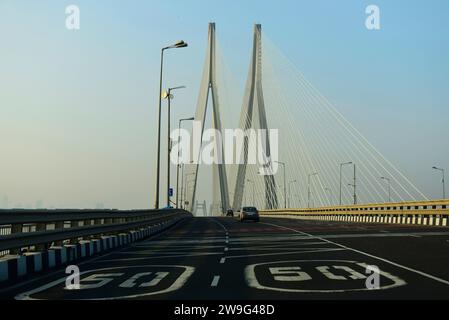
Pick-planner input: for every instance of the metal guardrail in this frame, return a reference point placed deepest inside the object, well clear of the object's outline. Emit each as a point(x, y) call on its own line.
point(413, 212)
point(41, 228)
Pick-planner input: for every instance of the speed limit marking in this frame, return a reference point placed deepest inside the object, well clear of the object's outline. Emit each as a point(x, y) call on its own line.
point(126, 282)
point(316, 276)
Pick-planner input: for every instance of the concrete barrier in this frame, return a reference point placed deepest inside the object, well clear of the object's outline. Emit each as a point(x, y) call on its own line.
point(13, 267)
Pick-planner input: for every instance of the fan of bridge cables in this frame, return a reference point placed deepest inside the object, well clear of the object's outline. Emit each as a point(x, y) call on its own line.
point(316, 143)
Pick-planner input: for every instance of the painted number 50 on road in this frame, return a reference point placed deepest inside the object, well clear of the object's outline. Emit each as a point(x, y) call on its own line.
point(324, 276)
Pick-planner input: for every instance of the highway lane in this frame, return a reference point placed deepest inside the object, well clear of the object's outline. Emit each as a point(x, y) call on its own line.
point(221, 258)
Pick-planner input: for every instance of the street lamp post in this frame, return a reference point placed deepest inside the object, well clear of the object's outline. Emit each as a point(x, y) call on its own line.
point(389, 187)
point(442, 180)
point(285, 186)
point(355, 185)
point(182, 185)
point(290, 192)
point(179, 44)
point(178, 165)
point(308, 187)
point(341, 166)
point(169, 96)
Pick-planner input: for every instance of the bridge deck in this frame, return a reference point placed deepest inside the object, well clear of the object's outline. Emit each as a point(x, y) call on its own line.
point(221, 258)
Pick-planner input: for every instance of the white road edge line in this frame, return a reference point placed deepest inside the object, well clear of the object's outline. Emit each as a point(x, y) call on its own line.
point(367, 254)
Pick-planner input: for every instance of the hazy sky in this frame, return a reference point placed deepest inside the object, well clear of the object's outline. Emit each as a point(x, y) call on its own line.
point(78, 108)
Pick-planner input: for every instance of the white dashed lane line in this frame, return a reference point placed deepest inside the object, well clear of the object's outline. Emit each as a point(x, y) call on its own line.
point(215, 281)
point(223, 260)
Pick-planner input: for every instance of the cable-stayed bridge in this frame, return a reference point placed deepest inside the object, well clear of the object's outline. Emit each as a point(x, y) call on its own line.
point(325, 160)
point(337, 219)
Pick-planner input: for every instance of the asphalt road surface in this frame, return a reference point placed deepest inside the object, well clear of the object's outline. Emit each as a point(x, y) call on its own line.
point(223, 259)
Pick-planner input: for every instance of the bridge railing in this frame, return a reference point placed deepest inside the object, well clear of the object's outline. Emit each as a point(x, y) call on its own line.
point(414, 212)
point(37, 230)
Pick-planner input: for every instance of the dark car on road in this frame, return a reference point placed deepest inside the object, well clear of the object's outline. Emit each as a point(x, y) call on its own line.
point(230, 213)
point(249, 213)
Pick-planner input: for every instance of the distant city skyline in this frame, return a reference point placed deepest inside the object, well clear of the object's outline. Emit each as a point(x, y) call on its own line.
point(39, 204)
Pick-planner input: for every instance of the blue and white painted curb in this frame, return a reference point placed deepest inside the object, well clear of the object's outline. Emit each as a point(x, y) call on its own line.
point(13, 267)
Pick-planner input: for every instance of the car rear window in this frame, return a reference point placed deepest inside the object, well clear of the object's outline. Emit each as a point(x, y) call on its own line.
point(249, 209)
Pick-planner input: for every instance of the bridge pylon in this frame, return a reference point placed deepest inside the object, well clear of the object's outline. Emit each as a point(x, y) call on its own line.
point(208, 90)
point(253, 103)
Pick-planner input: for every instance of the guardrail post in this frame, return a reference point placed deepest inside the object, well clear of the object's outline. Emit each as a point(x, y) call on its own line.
point(16, 228)
point(108, 221)
point(87, 222)
point(74, 224)
point(59, 225)
point(42, 246)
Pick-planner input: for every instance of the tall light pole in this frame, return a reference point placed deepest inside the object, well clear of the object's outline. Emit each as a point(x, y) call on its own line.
point(308, 187)
point(341, 166)
point(251, 181)
point(355, 185)
point(290, 192)
point(167, 95)
point(182, 185)
point(178, 165)
point(179, 44)
point(389, 187)
point(285, 185)
point(442, 180)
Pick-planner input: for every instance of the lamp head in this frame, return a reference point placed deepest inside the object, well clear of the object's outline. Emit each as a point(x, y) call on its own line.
point(180, 44)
